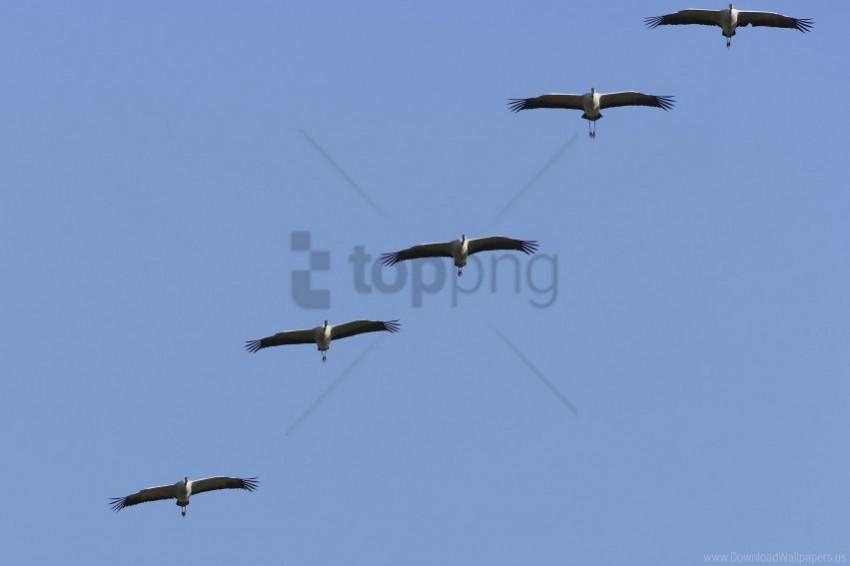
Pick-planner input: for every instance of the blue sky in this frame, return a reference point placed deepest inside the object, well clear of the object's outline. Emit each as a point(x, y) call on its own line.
point(157, 160)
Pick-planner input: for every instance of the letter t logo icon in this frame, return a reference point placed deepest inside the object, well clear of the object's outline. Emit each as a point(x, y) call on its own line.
point(302, 291)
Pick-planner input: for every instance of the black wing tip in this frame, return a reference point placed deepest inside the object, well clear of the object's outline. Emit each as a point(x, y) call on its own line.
point(389, 259)
point(528, 246)
point(117, 503)
point(392, 326)
point(666, 102)
point(253, 345)
point(250, 483)
point(804, 24)
point(517, 104)
point(653, 22)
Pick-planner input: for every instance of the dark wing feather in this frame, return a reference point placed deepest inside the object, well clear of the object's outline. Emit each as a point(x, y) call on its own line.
point(774, 20)
point(223, 482)
point(501, 243)
point(615, 99)
point(143, 496)
point(362, 326)
point(442, 249)
point(685, 17)
point(554, 100)
point(282, 339)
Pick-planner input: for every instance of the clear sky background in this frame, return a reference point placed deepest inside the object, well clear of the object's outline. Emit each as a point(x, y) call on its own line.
point(156, 158)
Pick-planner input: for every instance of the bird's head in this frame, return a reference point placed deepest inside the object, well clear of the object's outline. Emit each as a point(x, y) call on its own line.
point(592, 90)
point(326, 324)
point(185, 480)
point(730, 5)
point(462, 238)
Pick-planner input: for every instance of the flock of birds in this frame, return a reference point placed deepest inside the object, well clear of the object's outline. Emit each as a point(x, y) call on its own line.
point(729, 20)
point(459, 250)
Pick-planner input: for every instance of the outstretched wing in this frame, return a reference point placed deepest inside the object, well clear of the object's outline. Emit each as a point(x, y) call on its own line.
point(441, 249)
point(143, 496)
point(362, 326)
point(223, 482)
point(281, 339)
point(774, 20)
point(615, 99)
point(554, 100)
point(501, 243)
point(686, 17)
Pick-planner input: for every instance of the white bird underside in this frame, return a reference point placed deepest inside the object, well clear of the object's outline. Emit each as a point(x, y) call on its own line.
point(180, 491)
point(591, 103)
point(729, 20)
point(459, 249)
point(322, 335)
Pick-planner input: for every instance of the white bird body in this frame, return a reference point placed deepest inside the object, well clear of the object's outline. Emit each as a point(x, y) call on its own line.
point(460, 250)
point(591, 103)
point(730, 19)
point(322, 335)
point(182, 491)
